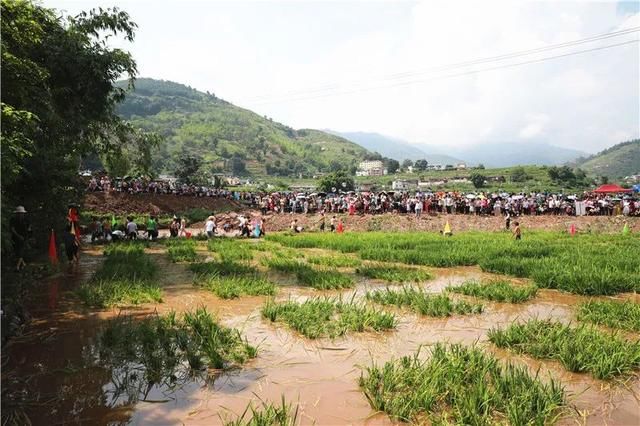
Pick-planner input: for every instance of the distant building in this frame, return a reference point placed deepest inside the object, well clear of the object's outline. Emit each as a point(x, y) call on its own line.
point(371, 168)
point(400, 185)
point(435, 167)
point(461, 166)
point(232, 180)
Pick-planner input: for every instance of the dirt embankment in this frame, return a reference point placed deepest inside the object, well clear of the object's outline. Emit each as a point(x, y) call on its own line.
point(121, 203)
point(458, 223)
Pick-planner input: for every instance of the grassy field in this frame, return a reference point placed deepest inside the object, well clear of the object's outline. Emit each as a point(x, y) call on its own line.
point(159, 349)
point(579, 349)
point(586, 264)
point(461, 385)
point(307, 275)
point(328, 317)
point(433, 305)
point(127, 276)
point(496, 290)
point(623, 315)
point(393, 273)
point(266, 414)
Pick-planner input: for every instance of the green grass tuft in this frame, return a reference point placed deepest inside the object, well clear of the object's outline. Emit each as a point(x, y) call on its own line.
point(267, 414)
point(322, 317)
point(579, 349)
point(229, 287)
point(624, 315)
point(393, 273)
point(321, 279)
point(335, 261)
point(104, 294)
point(461, 385)
point(498, 290)
point(433, 305)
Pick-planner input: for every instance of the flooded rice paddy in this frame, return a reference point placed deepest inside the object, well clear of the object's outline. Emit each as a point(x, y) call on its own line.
point(52, 374)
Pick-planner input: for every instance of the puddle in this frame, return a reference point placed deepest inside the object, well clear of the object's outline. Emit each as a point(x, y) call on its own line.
point(321, 376)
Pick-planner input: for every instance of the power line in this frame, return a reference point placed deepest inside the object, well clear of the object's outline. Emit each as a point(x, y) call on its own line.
point(447, 76)
point(498, 58)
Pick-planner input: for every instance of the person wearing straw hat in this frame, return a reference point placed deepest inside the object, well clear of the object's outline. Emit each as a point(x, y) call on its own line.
point(210, 226)
point(20, 230)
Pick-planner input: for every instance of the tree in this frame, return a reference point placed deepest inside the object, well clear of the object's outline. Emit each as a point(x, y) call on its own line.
point(237, 165)
point(421, 165)
point(392, 165)
point(477, 179)
point(337, 181)
point(406, 164)
point(480, 166)
point(188, 169)
point(58, 104)
point(519, 174)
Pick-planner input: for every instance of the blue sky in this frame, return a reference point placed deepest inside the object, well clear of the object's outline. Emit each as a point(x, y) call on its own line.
point(337, 64)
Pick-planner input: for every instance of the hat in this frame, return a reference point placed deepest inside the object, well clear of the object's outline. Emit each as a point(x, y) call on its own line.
point(20, 209)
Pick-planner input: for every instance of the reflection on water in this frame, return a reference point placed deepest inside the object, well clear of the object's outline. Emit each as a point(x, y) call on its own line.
point(69, 383)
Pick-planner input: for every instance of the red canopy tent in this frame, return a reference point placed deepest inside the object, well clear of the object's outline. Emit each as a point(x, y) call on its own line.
point(611, 188)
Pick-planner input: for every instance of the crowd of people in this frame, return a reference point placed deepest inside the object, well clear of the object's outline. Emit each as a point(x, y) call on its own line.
point(418, 203)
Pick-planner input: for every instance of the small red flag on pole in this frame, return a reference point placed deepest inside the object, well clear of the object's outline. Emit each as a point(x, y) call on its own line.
point(53, 252)
point(572, 230)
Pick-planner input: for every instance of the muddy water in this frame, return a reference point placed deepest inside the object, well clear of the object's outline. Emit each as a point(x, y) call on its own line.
point(321, 375)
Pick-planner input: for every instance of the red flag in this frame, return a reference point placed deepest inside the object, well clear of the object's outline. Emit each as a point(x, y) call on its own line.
point(53, 252)
point(572, 230)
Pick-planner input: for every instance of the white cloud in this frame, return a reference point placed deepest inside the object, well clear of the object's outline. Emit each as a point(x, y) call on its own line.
point(277, 49)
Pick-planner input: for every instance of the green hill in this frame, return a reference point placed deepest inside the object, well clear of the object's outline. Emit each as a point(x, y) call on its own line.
point(230, 138)
point(616, 162)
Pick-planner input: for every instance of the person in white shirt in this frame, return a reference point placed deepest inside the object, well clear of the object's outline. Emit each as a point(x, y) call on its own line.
point(210, 226)
point(132, 229)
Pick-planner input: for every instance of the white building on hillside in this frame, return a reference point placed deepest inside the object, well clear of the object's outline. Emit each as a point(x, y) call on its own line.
point(371, 168)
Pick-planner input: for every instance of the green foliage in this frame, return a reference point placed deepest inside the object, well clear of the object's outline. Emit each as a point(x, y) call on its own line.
point(615, 162)
point(424, 303)
point(229, 138)
point(321, 317)
point(461, 385)
point(566, 176)
point(208, 269)
point(184, 251)
point(590, 264)
point(234, 286)
point(335, 261)
point(268, 414)
point(188, 170)
point(392, 273)
point(167, 350)
point(497, 290)
point(477, 179)
point(519, 174)
point(579, 349)
point(126, 277)
point(337, 181)
point(624, 315)
point(321, 279)
point(420, 165)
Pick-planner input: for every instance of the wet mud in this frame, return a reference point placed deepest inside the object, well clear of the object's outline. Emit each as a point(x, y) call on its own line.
point(50, 375)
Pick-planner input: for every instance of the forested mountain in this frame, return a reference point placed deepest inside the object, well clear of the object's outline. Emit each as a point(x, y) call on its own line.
point(229, 138)
point(618, 161)
point(506, 154)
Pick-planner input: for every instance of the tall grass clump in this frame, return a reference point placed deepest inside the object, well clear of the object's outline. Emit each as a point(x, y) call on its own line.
point(204, 270)
point(335, 261)
point(127, 277)
point(233, 286)
point(461, 385)
point(183, 251)
point(327, 317)
point(579, 349)
point(306, 275)
point(267, 414)
point(105, 294)
point(167, 350)
point(497, 290)
point(229, 249)
point(393, 273)
point(623, 315)
point(433, 305)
